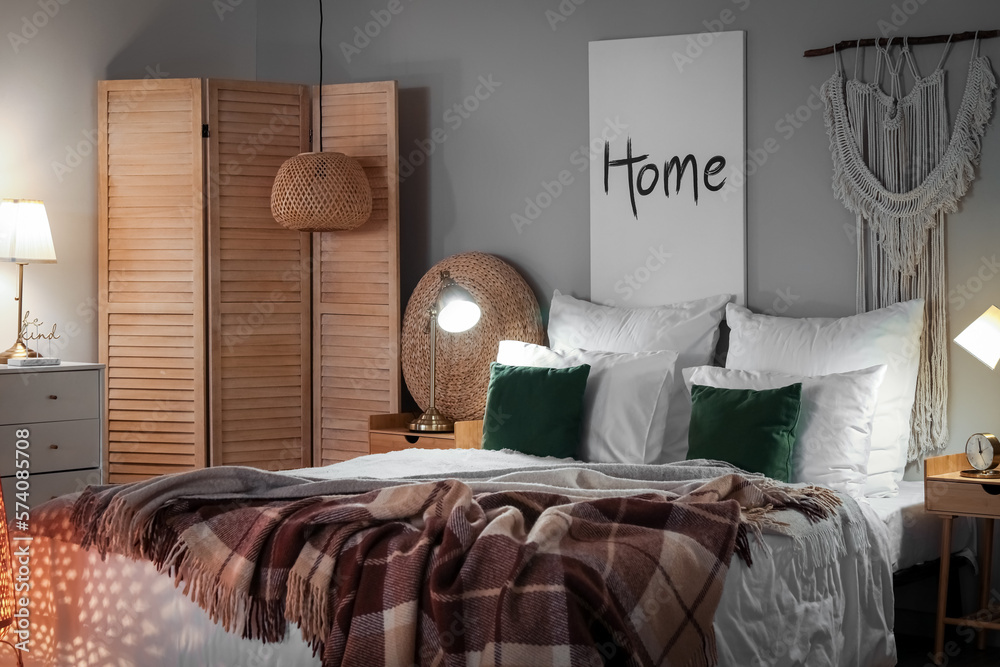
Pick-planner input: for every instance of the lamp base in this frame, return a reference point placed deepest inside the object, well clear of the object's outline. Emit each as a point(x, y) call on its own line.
point(18, 351)
point(432, 421)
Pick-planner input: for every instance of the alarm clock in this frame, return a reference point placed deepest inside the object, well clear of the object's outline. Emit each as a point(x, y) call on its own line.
point(983, 452)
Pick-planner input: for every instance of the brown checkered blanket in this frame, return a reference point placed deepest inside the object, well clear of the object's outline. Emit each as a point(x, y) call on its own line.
point(453, 572)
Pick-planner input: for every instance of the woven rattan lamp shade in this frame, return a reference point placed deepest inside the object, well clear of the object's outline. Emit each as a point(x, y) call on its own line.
point(509, 312)
point(321, 192)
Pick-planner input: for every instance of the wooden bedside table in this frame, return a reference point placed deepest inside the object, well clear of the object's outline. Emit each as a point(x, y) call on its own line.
point(391, 433)
point(949, 494)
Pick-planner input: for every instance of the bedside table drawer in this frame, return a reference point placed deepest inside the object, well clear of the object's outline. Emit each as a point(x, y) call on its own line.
point(382, 443)
point(26, 398)
point(968, 498)
point(53, 446)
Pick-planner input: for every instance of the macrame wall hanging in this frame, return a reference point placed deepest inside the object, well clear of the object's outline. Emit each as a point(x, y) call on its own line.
point(900, 171)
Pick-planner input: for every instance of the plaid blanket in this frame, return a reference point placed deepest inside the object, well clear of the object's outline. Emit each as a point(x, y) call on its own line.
point(435, 573)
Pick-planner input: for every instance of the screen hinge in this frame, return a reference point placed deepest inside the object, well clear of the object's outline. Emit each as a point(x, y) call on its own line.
point(205, 131)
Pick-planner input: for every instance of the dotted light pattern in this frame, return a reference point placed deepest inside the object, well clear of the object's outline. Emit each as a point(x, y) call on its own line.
point(321, 192)
point(6, 574)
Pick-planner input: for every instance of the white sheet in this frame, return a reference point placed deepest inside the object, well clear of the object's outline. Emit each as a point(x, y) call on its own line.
point(780, 612)
point(914, 535)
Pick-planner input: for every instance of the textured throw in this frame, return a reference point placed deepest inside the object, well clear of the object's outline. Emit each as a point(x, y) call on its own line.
point(898, 170)
point(557, 566)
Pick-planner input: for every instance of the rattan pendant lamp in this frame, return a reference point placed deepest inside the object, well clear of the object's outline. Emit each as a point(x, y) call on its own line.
point(321, 192)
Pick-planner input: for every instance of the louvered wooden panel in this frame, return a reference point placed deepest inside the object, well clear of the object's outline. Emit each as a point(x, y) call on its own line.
point(356, 308)
point(151, 277)
point(259, 280)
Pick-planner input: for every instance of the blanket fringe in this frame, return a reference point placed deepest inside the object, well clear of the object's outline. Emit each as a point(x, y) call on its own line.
point(814, 502)
point(308, 607)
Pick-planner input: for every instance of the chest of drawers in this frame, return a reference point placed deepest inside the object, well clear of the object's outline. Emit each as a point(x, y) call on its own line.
point(57, 412)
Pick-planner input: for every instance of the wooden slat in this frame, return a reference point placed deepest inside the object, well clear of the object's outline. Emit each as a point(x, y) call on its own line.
point(259, 284)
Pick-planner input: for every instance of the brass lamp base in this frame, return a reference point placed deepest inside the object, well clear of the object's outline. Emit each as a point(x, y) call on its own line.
point(432, 421)
point(18, 351)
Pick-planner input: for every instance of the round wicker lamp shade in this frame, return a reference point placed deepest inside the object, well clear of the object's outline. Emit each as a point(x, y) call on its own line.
point(321, 192)
point(509, 312)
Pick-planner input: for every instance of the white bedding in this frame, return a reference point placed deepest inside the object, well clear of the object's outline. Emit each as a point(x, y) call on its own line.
point(913, 534)
point(785, 610)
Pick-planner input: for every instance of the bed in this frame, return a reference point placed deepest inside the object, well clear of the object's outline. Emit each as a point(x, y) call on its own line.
point(788, 590)
point(118, 611)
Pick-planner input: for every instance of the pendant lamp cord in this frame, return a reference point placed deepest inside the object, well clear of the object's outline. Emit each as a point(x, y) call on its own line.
point(320, 76)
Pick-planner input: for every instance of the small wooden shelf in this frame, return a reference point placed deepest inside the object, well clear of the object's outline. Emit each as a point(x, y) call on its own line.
point(948, 494)
point(391, 433)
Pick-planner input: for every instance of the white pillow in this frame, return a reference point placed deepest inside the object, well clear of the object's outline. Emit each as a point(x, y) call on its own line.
point(625, 403)
point(690, 328)
point(835, 423)
point(818, 346)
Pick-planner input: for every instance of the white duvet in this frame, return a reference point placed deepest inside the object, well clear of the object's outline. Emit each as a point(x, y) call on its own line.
point(784, 610)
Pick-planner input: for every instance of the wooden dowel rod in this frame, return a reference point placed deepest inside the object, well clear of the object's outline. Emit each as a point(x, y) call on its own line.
point(927, 39)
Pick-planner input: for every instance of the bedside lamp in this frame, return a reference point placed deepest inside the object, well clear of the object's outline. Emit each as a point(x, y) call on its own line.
point(455, 311)
point(25, 238)
point(982, 338)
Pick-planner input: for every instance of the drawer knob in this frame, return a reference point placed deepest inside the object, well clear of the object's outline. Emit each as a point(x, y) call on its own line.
point(53, 446)
point(412, 439)
point(53, 397)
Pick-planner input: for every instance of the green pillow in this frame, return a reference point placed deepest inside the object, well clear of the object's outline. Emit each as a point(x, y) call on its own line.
point(537, 411)
point(754, 430)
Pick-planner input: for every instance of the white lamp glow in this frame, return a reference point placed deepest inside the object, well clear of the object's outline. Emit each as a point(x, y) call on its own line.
point(457, 310)
point(982, 337)
point(25, 238)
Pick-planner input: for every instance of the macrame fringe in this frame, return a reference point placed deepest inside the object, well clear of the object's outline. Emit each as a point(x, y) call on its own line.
point(896, 170)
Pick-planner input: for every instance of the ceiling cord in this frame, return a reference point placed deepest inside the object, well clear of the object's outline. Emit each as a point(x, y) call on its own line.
point(320, 76)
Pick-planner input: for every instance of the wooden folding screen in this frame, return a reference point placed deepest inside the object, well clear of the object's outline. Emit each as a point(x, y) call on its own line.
point(222, 333)
point(151, 276)
point(356, 307)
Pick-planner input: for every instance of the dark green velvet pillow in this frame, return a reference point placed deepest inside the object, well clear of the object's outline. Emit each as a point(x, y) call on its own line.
point(754, 430)
point(537, 411)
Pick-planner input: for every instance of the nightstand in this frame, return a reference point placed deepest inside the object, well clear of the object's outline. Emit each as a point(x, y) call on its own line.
point(949, 494)
point(391, 433)
point(60, 408)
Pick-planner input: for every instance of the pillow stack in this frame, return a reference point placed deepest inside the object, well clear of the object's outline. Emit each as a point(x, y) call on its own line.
point(691, 329)
point(817, 400)
point(636, 408)
point(820, 346)
point(625, 402)
point(834, 425)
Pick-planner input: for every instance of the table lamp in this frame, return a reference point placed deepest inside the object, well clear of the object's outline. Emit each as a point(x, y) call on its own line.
point(982, 338)
point(455, 311)
point(25, 238)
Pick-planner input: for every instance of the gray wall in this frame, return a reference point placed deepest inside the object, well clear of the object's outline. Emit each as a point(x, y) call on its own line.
point(800, 259)
point(48, 121)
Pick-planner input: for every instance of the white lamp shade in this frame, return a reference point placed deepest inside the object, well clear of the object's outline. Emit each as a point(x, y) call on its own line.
point(24, 232)
point(457, 309)
point(459, 316)
point(982, 337)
